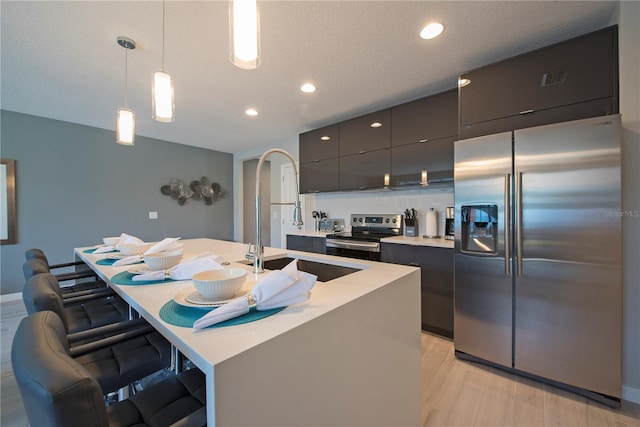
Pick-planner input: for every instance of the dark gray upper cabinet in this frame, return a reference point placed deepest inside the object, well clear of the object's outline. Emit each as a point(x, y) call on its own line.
point(434, 157)
point(364, 171)
point(580, 70)
point(429, 118)
point(422, 136)
point(366, 133)
point(319, 176)
point(319, 144)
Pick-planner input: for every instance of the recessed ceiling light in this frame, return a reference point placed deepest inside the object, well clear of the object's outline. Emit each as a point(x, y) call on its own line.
point(463, 82)
point(251, 112)
point(431, 31)
point(376, 125)
point(308, 88)
point(325, 138)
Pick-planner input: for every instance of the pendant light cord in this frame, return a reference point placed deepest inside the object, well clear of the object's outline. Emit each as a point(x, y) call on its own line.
point(163, 13)
point(126, 75)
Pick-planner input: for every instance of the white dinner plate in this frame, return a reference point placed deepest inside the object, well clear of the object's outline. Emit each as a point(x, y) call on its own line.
point(140, 269)
point(117, 255)
point(186, 296)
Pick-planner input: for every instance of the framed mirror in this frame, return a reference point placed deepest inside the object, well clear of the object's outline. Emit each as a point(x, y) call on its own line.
point(8, 219)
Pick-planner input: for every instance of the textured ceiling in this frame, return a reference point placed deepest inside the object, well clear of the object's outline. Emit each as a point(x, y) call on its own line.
point(61, 60)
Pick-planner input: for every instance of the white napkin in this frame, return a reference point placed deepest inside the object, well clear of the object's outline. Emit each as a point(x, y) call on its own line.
point(124, 239)
point(167, 244)
point(279, 288)
point(186, 269)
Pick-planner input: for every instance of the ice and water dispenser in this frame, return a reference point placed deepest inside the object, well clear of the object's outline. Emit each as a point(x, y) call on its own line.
point(479, 229)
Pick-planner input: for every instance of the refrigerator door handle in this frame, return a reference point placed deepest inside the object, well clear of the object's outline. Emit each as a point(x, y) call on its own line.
point(519, 223)
point(507, 223)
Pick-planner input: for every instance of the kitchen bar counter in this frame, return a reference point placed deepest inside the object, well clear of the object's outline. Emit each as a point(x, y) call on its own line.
point(438, 242)
point(350, 356)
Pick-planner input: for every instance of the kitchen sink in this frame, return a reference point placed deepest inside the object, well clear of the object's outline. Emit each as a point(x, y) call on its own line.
point(325, 272)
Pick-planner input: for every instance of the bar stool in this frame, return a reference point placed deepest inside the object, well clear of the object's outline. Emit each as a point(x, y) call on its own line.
point(42, 292)
point(57, 390)
point(38, 254)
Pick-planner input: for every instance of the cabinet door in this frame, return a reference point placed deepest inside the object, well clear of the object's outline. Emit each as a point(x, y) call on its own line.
point(429, 118)
point(435, 157)
point(436, 267)
point(306, 243)
point(362, 134)
point(571, 72)
point(362, 171)
point(319, 144)
point(319, 176)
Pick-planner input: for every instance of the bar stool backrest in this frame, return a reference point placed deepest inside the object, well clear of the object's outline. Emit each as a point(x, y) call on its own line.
point(56, 390)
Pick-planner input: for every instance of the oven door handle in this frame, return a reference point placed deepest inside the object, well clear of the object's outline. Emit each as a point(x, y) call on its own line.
point(349, 244)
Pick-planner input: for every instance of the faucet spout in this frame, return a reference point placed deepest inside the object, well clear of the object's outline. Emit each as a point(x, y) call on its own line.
point(258, 253)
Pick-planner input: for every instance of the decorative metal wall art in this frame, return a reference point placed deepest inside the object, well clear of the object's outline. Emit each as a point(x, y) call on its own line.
point(208, 192)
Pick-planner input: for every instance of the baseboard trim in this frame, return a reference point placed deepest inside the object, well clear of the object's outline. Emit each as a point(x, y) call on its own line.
point(631, 394)
point(11, 297)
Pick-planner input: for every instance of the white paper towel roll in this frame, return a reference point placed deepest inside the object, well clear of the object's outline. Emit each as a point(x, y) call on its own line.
point(431, 221)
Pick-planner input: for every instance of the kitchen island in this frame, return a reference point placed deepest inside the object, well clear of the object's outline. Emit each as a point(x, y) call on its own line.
point(350, 356)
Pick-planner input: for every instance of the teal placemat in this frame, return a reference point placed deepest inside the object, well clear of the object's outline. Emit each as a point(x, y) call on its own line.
point(126, 278)
point(92, 250)
point(179, 315)
point(110, 261)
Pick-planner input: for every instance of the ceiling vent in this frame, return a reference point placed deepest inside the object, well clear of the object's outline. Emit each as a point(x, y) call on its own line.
point(554, 77)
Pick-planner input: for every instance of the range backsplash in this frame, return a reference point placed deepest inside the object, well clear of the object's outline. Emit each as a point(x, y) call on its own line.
point(342, 205)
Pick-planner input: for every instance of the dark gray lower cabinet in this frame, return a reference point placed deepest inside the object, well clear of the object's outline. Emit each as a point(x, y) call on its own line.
point(436, 266)
point(306, 243)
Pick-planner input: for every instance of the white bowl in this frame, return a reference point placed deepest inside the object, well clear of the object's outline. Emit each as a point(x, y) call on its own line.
point(220, 284)
point(134, 248)
point(163, 260)
point(111, 241)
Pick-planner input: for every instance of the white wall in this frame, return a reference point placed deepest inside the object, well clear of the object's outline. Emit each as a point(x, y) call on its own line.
point(629, 60)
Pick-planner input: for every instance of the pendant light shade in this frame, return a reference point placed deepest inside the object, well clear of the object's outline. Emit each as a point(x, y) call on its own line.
point(125, 126)
point(162, 97)
point(162, 105)
point(125, 117)
point(244, 34)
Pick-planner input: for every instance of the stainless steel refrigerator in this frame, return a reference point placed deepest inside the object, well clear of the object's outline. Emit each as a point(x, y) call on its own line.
point(538, 254)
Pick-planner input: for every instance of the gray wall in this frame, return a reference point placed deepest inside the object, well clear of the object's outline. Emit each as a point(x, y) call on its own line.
point(75, 185)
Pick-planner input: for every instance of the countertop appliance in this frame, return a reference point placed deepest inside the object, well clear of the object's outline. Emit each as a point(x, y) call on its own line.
point(363, 242)
point(538, 279)
point(332, 224)
point(450, 225)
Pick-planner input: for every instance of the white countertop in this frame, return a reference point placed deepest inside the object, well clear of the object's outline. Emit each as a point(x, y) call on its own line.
point(310, 233)
point(438, 242)
point(325, 297)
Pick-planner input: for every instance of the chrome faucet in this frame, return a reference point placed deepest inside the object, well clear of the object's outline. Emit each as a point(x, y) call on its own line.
point(258, 251)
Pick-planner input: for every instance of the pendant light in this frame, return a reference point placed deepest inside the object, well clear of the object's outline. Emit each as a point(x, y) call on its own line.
point(125, 117)
point(244, 34)
point(162, 104)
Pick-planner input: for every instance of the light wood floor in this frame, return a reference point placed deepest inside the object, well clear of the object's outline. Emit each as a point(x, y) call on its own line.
point(454, 392)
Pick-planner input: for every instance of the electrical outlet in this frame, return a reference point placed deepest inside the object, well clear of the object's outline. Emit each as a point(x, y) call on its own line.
point(153, 215)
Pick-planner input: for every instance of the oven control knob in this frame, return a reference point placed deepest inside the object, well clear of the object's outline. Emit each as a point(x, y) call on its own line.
point(360, 219)
point(355, 219)
point(393, 220)
point(386, 220)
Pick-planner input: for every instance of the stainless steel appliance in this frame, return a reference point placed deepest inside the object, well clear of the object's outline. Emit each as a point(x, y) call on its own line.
point(450, 228)
point(363, 242)
point(538, 282)
point(332, 224)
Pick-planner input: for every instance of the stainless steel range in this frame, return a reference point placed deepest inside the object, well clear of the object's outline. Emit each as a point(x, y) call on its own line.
point(363, 242)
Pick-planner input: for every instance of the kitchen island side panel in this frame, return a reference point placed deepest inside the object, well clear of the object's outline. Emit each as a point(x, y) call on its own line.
point(356, 365)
